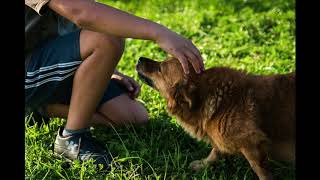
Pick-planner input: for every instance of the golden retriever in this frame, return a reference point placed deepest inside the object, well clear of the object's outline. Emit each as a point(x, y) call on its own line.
point(236, 112)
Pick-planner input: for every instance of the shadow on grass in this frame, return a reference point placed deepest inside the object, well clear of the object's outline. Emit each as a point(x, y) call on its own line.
point(163, 148)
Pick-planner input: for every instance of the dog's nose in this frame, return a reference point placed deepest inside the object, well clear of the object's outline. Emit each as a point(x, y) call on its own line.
point(141, 59)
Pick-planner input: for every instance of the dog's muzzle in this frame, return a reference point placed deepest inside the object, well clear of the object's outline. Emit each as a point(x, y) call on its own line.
point(139, 68)
point(146, 80)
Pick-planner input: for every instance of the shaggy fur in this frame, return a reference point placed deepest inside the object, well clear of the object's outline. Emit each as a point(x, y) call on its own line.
point(237, 113)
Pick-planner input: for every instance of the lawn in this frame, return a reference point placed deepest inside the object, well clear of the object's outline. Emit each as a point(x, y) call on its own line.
point(253, 35)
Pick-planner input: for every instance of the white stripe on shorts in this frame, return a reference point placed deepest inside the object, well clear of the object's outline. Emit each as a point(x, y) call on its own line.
point(60, 72)
point(59, 65)
point(48, 80)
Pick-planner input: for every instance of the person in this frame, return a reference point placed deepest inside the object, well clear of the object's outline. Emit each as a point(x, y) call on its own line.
point(72, 48)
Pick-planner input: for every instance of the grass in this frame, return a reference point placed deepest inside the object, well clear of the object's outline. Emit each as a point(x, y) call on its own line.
point(254, 35)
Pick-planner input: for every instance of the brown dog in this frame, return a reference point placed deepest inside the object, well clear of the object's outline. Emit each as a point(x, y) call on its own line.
point(234, 111)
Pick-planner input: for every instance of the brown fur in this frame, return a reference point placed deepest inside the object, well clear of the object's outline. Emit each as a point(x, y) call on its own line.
point(233, 111)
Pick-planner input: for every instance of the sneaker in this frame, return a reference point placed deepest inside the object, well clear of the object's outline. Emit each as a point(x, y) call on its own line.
point(82, 147)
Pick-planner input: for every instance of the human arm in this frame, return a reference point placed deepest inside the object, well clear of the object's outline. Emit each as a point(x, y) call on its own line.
point(91, 15)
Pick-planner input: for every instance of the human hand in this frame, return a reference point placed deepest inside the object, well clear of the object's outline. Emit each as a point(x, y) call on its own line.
point(181, 48)
point(128, 82)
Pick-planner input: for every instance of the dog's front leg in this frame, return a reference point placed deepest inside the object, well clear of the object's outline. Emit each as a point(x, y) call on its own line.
point(199, 164)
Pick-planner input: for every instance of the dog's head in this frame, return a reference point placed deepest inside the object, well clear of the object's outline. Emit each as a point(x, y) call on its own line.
point(168, 78)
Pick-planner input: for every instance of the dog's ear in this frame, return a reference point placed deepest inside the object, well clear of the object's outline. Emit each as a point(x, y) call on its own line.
point(187, 92)
point(171, 104)
point(184, 93)
point(190, 96)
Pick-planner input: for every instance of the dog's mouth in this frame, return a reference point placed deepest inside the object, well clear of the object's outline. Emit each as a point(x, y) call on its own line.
point(141, 69)
point(146, 80)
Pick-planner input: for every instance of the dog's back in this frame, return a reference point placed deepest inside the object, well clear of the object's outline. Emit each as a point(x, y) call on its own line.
point(275, 97)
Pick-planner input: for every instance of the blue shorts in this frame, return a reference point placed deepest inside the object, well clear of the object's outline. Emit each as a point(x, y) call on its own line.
point(50, 72)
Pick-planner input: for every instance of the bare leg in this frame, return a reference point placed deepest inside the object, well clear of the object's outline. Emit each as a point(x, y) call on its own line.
point(62, 110)
point(123, 110)
point(101, 54)
point(118, 111)
point(199, 164)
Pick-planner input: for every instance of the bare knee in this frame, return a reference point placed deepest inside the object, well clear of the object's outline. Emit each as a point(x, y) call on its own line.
point(136, 114)
point(140, 114)
point(123, 110)
point(108, 45)
point(115, 44)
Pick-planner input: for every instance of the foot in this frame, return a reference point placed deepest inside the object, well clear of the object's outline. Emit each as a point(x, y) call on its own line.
point(197, 165)
point(81, 147)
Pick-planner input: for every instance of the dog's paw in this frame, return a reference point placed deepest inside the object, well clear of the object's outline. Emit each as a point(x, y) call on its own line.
point(197, 165)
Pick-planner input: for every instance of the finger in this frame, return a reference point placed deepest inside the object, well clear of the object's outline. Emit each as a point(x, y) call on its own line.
point(194, 60)
point(128, 85)
point(136, 87)
point(197, 53)
point(183, 61)
point(131, 95)
point(137, 91)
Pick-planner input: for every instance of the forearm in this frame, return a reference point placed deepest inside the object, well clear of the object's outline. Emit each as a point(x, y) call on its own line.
point(90, 15)
point(105, 19)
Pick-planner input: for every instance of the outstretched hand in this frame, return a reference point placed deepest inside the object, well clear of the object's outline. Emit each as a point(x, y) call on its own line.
point(181, 48)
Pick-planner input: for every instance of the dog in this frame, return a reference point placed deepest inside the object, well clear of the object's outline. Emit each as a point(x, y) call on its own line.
point(236, 112)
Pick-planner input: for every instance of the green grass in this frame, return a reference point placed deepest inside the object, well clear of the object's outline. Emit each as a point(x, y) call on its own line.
point(254, 35)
